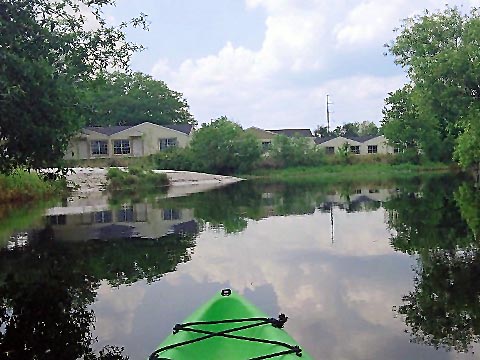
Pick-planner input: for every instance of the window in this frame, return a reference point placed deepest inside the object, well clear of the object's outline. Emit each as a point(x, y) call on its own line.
point(330, 150)
point(266, 145)
point(396, 150)
point(57, 219)
point(121, 147)
point(355, 149)
point(171, 214)
point(166, 143)
point(125, 214)
point(99, 147)
point(102, 217)
point(372, 149)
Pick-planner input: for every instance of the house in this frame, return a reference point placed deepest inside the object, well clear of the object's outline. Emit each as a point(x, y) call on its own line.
point(127, 141)
point(360, 145)
point(266, 136)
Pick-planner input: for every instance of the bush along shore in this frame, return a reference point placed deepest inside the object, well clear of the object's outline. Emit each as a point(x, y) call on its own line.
point(135, 180)
point(23, 186)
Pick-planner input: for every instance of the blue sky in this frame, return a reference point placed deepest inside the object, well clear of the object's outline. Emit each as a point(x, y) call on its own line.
point(271, 63)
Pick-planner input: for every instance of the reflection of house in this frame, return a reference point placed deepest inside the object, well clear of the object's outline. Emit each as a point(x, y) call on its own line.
point(138, 220)
point(127, 141)
point(359, 199)
point(361, 145)
point(266, 136)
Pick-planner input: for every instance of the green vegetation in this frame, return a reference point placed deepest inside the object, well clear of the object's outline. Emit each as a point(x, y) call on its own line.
point(350, 129)
point(48, 56)
point(133, 98)
point(361, 171)
point(23, 186)
point(220, 147)
point(435, 115)
point(135, 180)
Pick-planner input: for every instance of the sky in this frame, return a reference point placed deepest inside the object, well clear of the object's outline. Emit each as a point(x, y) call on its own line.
point(271, 63)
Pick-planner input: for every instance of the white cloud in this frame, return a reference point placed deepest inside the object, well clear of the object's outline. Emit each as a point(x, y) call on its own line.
point(284, 83)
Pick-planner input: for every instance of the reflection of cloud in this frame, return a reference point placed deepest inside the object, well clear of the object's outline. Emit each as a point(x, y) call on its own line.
point(316, 282)
point(115, 310)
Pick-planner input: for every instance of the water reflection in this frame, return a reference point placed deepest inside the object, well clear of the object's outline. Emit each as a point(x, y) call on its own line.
point(439, 222)
point(100, 262)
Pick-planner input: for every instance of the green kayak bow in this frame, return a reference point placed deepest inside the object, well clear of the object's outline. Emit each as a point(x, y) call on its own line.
point(229, 327)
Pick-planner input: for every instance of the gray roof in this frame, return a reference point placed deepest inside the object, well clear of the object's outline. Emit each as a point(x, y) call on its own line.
point(107, 130)
point(293, 132)
point(110, 130)
point(361, 139)
point(184, 128)
point(320, 140)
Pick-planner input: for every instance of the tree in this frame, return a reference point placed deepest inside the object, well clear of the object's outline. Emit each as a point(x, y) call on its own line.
point(132, 98)
point(47, 57)
point(223, 147)
point(321, 131)
point(440, 53)
point(368, 128)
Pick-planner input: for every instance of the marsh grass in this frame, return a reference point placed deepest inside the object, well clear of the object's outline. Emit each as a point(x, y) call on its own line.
point(135, 179)
point(24, 186)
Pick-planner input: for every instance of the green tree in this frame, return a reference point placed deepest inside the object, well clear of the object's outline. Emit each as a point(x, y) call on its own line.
point(47, 56)
point(132, 98)
point(295, 151)
point(223, 147)
point(440, 53)
point(368, 128)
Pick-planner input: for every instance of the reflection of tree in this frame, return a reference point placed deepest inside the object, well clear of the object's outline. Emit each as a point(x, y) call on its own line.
point(468, 200)
point(46, 289)
point(426, 217)
point(443, 310)
point(230, 208)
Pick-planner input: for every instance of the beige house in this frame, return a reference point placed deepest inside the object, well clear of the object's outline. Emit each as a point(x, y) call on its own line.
point(127, 141)
point(266, 136)
point(360, 145)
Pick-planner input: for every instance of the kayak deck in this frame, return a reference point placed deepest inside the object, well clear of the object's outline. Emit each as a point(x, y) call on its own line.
point(229, 327)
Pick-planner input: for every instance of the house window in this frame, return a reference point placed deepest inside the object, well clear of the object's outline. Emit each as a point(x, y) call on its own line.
point(355, 149)
point(102, 217)
point(372, 149)
point(266, 145)
point(57, 219)
point(166, 143)
point(99, 147)
point(330, 150)
point(125, 214)
point(121, 147)
point(396, 150)
point(171, 214)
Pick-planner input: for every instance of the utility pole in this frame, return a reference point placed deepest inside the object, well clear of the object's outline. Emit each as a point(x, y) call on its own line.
point(328, 114)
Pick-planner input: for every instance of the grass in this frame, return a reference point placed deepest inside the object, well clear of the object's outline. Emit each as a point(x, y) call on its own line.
point(136, 179)
point(24, 186)
point(358, 172)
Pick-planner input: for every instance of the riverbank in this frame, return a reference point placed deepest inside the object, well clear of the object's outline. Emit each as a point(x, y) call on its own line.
point(361, 172)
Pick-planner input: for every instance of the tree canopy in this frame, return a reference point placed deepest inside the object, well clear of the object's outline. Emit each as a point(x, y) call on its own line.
point(354, 129)
point(436, 111)
point(47, 55)
point(132, 98)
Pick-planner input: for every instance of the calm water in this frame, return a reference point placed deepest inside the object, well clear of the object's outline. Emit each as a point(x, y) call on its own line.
point(364, 271)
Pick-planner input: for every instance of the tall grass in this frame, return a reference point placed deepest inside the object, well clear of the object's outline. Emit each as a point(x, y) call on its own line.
point(22, 186)
point(363, 171)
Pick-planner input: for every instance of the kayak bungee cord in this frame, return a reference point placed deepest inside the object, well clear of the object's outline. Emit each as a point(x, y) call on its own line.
point(255, 321)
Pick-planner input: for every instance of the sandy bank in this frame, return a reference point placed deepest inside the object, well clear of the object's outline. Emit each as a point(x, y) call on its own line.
point(89, 180)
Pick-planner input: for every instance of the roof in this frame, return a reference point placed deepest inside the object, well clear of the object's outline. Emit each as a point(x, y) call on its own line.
point(361, 139)
point(293, 132)
point(107, 130)
point(110, 130)
point(184, 128)
point(321, 140)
